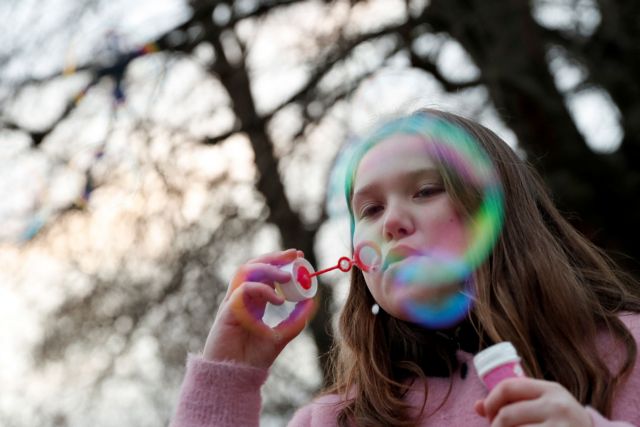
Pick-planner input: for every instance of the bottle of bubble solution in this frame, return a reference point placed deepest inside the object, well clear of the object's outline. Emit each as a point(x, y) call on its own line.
point(497, 363)
point(302, 285)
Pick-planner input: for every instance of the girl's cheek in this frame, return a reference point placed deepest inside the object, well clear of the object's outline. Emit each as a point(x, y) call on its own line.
point(366, 232)
point(359, 235)
point(453, 234)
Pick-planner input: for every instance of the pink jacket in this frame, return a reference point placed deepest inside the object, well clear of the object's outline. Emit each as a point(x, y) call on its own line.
point(227, 394)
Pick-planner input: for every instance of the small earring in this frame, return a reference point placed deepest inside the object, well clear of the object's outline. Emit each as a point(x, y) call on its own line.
point(375, 309)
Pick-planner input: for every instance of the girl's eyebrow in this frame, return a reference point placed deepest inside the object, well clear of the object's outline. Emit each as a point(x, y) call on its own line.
point(404, 176)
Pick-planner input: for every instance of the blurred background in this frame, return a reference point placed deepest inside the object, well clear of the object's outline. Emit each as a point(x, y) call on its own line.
point(149, 147)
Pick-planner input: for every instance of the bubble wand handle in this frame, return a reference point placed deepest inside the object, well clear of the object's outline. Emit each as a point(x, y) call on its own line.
point(344, 264)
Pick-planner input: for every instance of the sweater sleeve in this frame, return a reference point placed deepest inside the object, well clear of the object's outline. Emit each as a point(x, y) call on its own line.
point(600, 421)
point(221, 394)
point(626, 405)
point(302, 417)
point(321, 412)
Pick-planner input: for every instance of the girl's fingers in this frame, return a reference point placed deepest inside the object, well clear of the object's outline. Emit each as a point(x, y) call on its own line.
point(263, 273)
point(528, 402)
point(264, 269)
point(479, 407)
point(248, 304)
point(259, 293)
point(520, 413)
point(512, 390)
point(276, 258)
point(289, 328)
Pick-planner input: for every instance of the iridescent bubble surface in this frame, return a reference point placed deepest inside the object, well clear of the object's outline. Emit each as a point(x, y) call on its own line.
point(435, 283)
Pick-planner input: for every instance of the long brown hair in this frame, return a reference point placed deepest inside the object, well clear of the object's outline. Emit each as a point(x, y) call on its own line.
point(544, 287)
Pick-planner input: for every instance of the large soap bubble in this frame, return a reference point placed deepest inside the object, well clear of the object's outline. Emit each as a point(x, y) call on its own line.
point(436, 285)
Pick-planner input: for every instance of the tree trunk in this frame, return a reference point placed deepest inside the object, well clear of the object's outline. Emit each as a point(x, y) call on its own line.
point(510, 50)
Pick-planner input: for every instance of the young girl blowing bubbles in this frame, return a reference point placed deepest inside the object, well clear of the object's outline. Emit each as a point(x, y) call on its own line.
point(469, 256)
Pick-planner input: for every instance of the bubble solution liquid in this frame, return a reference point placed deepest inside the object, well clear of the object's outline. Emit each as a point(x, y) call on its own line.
point(497, 363)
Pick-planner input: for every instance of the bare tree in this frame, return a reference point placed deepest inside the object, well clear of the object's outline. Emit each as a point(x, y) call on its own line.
point(511, 47)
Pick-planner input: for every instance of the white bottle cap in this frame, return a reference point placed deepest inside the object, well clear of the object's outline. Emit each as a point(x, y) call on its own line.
point(494, 356)
point(293, 290)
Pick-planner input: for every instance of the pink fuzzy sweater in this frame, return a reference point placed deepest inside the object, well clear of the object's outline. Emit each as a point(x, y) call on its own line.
point(228, 394)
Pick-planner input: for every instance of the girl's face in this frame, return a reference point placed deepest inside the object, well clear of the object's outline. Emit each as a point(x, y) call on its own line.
point(399, 203)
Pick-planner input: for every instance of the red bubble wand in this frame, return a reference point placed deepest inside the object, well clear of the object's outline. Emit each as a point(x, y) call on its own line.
point(344, 264)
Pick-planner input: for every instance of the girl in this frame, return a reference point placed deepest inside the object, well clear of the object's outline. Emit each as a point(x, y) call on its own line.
point(563, 304)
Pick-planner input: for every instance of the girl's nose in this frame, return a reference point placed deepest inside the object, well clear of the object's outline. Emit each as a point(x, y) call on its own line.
point(397, 222)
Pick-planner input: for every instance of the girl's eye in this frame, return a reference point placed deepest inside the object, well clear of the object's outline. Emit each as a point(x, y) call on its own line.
point(428, 192)
point(370, 210)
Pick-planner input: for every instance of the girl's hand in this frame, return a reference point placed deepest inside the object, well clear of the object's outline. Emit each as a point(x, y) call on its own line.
point(528, 402)
point(238, 333)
